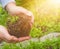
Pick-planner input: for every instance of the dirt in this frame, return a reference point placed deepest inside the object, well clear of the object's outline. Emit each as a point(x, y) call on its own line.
point(19, 28)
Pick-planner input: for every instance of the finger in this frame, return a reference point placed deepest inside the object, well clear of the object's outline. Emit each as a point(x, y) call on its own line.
point(30, 15)
point(13, 39)
point(24, 38)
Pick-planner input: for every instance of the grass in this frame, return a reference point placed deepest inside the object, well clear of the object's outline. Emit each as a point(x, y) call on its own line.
point(48, 44)
point(43, 24)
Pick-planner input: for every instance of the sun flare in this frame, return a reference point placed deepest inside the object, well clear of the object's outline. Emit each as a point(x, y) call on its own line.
point(55, 3)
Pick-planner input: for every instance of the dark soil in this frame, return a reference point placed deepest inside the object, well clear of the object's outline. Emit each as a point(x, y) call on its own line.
point(19, 28)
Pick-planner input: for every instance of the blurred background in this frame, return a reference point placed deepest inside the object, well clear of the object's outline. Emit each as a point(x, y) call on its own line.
point(46, 14)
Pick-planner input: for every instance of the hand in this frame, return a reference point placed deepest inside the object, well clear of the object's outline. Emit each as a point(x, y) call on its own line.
point(19, 11)
point(5, 36)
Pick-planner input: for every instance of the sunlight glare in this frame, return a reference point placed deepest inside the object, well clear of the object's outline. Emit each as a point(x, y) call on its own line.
point(56, 3)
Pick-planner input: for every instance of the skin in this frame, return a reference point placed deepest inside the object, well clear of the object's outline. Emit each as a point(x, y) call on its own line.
point(15, 11)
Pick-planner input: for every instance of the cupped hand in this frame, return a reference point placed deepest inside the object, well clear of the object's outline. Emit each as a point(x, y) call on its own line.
point(19, 11)
point(5, 36)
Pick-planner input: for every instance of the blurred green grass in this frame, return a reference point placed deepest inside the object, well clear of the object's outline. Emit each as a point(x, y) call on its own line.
point(48, 44)
point(42, 25)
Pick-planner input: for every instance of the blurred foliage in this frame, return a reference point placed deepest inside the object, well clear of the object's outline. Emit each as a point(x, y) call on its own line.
point(47, 17)
point(3, 16)
point(48, 44)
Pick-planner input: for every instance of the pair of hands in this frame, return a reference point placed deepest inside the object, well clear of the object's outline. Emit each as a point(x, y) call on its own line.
point(15, 11)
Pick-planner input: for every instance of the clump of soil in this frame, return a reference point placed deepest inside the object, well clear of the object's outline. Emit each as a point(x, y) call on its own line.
point(21, 27)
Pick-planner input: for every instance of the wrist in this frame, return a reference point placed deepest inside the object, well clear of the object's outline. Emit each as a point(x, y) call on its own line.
point(10, 5)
